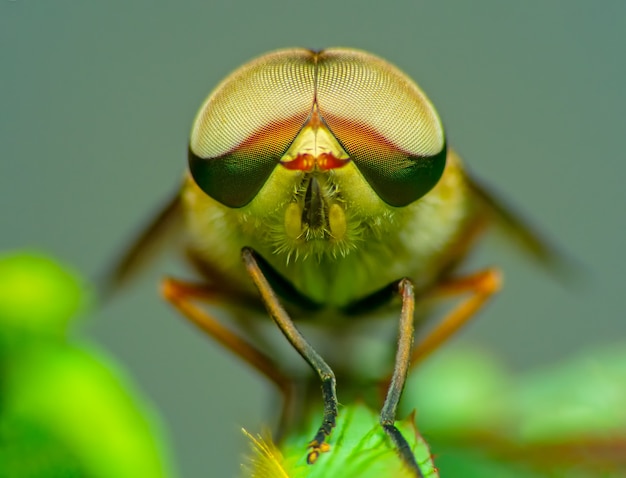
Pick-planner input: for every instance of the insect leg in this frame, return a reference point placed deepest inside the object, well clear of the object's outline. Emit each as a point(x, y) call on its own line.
point(293, 335)
point(400, 370)
point(482, 286)
point(182, 296)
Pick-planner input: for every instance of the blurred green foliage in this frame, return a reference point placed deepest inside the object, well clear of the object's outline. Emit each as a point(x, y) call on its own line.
point(567, 420)
point(65, 408)
point(38, 298)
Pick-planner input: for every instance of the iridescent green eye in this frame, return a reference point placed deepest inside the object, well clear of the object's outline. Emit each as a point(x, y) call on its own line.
point(247, 124)
point(406, 178)
point(233, 179)
point(382, 120)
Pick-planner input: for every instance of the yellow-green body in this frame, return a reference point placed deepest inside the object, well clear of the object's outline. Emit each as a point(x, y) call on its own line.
point(381, 243)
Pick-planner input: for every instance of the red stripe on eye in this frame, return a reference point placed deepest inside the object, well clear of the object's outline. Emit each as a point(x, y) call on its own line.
point(361, 140)
point(272, 139)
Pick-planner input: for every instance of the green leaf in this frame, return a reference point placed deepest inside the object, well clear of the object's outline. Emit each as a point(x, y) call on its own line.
point(359, 448)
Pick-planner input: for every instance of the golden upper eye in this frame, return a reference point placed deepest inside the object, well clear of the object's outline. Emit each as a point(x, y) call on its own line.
point(380, 117)
point(358, 92)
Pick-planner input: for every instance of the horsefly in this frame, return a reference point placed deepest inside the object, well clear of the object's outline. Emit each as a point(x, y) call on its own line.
point(321, 187)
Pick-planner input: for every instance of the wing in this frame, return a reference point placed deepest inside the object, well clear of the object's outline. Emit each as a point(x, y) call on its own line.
point(522, 233)
point(165, 228)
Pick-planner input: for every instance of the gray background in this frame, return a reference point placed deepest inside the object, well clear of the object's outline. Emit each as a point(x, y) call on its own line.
point(96, 102)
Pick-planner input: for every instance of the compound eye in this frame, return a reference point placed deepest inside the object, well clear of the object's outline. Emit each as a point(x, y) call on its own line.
point(384, 122)
point(248, 122)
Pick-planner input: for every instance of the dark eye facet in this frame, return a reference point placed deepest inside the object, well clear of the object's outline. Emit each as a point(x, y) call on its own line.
point(233, 179)
point(402, 179)
point(247, 124)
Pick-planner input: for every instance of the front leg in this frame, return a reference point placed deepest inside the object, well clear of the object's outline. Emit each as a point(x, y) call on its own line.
point(401, 367)
point(287, 327)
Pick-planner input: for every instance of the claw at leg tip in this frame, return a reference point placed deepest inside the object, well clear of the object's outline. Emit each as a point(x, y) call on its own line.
point(316, 450)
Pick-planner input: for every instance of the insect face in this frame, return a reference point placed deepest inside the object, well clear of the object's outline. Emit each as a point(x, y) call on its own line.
point(319, 146)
